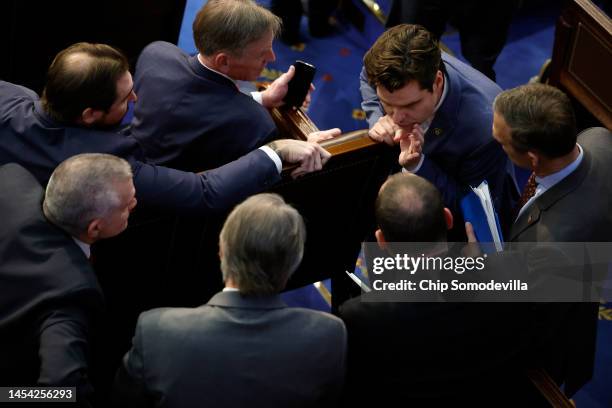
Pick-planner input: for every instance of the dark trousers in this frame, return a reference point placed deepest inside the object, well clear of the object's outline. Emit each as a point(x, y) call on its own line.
point(482, 24)
point(290, 11)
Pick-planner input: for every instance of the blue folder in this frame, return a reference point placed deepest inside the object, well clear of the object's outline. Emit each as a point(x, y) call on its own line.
point(474, 212)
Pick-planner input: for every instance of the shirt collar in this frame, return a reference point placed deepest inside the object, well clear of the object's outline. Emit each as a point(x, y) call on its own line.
point(199, 57)
point(86, 248)
point(547, 182)
point(226, 289)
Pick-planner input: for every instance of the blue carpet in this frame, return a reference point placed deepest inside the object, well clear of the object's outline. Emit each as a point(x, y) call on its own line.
point(336, 103)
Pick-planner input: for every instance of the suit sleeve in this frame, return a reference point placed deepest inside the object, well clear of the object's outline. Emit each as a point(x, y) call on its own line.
point(129, 389)
point(64, 350)
point(484, 163)
point(369, 100)
point(212, 191)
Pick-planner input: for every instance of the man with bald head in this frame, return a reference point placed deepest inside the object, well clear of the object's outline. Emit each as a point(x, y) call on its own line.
point(429, 353)
point(87, 94)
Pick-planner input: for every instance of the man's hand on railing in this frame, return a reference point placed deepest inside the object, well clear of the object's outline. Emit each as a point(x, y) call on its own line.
point(318, 137)
point(308, 156)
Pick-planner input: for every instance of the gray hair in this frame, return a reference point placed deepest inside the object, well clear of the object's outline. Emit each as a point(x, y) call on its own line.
point(82, 188)
point(231, 25)
point(262, 244)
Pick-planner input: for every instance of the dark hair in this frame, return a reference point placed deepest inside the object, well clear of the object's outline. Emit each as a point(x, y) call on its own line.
point(83, 76)
point(231, 25)
point(540, 117)
point(410, 209)
point(401, 54)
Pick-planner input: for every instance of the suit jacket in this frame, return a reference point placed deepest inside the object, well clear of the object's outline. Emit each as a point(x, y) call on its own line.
point(191, 118)
point(459, 148)
point(42, 270)
point(234, 351)
point(432, 354)
point(33, 139)
point(566, 332)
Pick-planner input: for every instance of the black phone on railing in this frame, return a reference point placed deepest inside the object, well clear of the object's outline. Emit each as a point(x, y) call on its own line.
point(299, 84)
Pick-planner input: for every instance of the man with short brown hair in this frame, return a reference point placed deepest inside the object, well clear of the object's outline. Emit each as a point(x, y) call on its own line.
point(438, 110)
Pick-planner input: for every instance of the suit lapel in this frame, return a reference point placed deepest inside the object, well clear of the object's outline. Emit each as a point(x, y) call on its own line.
point(532, 215)
point(444, 119)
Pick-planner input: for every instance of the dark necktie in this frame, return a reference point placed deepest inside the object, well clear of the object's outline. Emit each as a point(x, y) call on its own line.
point(528, 192)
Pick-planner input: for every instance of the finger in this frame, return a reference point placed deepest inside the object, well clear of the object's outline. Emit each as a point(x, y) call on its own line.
point(297, 173)
point(312, 87)
point(469, 231)
point(286, 77)
point(418, 132)
point(375, 134)
point(324, 154)
point(401, 135)
point(334, 132)
point(317, 165)
point(308, 162)
point(388, 127)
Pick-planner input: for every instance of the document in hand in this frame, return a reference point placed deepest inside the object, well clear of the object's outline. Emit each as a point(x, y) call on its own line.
point(477, 207)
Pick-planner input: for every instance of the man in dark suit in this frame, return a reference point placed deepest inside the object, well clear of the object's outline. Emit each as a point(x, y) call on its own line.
point(438, 110)
point(50, 300)
point(245, 347)
point(427, 354)
point(86, 95)
point(191, 115)
point(536, 127)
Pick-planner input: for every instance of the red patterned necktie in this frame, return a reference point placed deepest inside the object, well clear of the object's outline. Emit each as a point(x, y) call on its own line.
point(528, 192)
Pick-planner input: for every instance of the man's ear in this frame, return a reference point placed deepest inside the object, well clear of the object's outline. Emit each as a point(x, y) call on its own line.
point(221, 61)
point(448, 217)
point(380, 238)
point(438, 80)
point(90, 116)
point(534, 159)
point(94, 230)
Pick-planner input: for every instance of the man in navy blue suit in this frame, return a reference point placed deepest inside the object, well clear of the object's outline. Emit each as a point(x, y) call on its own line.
point(86, 96)
point(191, 115)
point(438, 110)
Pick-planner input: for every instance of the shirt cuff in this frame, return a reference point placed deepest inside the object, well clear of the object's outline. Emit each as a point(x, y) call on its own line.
point(257, 96)
point(275, 158)
point(415, 168)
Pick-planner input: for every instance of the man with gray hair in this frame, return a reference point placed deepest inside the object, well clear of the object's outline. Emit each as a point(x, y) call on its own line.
point(90, 196)
point(191, 114)
point(50, 300)
point(245, 347)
